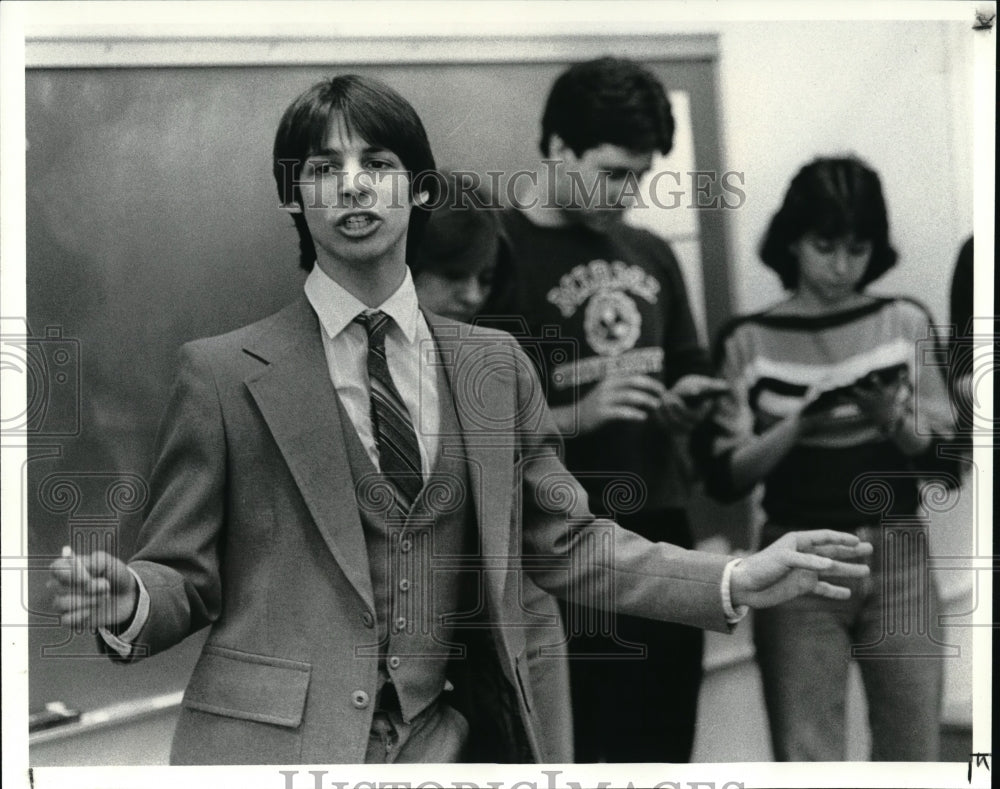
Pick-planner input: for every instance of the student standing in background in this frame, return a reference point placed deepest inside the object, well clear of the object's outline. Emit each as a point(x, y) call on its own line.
point(823, 393)
point(627, 403)
point(961, 377)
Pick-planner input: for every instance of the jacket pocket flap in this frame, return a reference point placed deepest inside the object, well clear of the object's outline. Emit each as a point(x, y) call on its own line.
point(252, 687)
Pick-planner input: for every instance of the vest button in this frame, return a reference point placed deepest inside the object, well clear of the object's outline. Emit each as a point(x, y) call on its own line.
point(394, 662)
point(359, 699)
point(400, 623)
point(404, 585)
point(405, 546)
point(368, 619)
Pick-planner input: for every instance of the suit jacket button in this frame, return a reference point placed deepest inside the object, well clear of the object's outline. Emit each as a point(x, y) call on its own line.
point(368, 619)
point(394, 662)
point(359, 699)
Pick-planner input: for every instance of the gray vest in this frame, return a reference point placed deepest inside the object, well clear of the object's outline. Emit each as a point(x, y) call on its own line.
point(413, 559)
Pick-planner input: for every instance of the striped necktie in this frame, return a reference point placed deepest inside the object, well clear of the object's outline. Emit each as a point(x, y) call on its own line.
point(398, 451)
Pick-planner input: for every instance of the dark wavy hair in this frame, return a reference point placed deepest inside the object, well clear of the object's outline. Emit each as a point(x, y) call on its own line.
point(371, 110)
point(832, 198)
point(608, 101)
point(465, 213)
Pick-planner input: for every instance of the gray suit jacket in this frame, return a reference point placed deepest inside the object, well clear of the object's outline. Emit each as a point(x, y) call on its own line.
point(253, 529)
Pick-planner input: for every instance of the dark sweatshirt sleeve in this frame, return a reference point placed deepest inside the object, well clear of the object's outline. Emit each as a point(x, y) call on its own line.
point(729, 425)
point(683, 353)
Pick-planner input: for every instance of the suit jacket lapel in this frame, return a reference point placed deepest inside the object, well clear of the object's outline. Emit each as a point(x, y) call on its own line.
point(485, 404)
point(298, 402)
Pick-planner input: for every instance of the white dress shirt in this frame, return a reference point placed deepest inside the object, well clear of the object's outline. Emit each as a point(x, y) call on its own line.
point(409, 346)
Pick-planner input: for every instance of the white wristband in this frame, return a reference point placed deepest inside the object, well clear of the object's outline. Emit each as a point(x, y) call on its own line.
point(733, 615)
point(122, 644)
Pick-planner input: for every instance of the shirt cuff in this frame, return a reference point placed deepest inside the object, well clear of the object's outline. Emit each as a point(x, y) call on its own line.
point(733, 615)
point(122, 643)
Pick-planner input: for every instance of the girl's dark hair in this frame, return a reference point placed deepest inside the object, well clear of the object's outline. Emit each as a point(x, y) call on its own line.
point(832, 198)
point(464, 212)
point(371, 110)
point(608, 101)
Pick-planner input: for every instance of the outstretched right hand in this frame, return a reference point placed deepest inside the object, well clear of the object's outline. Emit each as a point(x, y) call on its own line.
point(96, 590)
point(796, 564)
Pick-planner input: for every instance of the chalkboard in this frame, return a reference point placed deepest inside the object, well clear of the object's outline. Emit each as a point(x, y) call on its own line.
point(152, 219)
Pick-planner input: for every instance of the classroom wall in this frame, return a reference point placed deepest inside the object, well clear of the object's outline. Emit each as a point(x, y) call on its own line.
point(897, 94)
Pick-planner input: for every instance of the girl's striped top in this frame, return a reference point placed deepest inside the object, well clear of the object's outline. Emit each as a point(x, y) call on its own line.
point(772, 360)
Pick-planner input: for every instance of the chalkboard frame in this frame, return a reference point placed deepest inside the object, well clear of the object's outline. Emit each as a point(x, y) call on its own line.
point(106, 46)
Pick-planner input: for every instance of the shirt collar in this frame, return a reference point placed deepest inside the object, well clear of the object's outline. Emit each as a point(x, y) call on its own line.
point(337, 308)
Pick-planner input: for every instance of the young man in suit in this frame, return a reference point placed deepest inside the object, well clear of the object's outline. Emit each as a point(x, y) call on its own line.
point(347, 492)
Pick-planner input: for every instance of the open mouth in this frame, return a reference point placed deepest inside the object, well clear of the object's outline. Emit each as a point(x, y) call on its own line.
point(358, 225)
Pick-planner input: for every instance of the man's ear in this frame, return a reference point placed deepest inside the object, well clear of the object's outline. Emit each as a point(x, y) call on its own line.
point(292, 208)
point(421, 198)
point(558, 149)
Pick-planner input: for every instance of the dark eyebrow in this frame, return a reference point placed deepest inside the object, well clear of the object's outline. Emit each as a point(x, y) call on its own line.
point(371, 149)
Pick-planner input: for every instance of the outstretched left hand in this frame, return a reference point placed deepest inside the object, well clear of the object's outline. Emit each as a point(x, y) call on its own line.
point(792, 565)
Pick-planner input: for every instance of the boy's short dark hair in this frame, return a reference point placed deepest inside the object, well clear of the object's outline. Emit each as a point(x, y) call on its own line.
point(373, 111)
point(608, 101)
point(833, 198)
